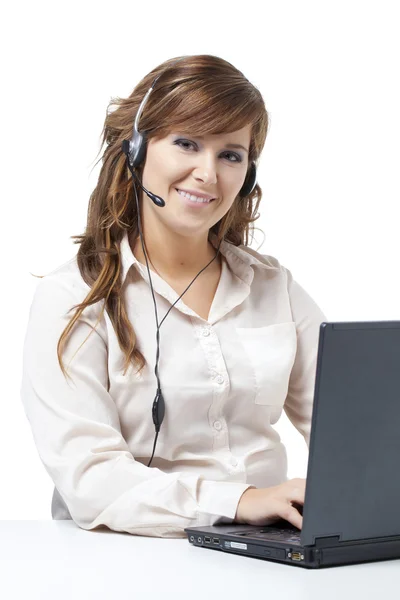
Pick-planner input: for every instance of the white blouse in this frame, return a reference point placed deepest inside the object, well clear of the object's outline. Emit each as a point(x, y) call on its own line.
point(225, 382)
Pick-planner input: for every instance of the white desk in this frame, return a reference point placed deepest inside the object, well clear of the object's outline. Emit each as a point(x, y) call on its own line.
point(59, 561)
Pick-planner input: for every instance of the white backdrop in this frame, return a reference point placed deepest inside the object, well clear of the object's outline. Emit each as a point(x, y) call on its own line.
point(329, 74)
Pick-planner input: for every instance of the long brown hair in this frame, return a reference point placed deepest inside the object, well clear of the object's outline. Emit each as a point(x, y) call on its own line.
point(201, 94)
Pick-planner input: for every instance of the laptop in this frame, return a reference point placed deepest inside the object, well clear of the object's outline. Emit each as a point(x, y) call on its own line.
point(351, 511)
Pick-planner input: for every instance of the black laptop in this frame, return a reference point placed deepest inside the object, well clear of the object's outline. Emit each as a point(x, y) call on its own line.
point(351, 511)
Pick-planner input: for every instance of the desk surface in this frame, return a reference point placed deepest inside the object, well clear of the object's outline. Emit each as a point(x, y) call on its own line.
point(57, 560)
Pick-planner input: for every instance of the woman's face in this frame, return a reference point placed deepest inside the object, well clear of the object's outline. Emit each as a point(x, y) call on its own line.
point(207, 165)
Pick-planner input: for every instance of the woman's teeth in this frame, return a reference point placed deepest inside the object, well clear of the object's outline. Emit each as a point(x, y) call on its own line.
point(192, 198)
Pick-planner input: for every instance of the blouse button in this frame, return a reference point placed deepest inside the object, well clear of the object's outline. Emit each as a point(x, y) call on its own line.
point(206, 332)
point(217, 425)
point(220, 379)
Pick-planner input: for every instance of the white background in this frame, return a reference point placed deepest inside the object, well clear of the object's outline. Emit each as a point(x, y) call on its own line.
point(329, 74)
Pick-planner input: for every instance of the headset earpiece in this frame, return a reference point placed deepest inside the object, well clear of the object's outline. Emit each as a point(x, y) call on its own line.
point(250, 181)
point(135, 148)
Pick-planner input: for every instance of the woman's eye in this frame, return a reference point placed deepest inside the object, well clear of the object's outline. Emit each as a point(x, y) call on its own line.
point(181, 143)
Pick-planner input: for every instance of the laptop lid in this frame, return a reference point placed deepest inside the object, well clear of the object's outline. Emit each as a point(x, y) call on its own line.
point(353, 476)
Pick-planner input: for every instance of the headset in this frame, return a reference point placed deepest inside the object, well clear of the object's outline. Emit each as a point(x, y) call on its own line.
point(135, 151)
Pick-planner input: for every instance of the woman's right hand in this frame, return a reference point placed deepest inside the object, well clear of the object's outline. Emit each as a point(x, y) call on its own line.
point(264, 506)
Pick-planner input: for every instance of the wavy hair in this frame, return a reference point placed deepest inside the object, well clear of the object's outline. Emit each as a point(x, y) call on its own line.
point(201, 94)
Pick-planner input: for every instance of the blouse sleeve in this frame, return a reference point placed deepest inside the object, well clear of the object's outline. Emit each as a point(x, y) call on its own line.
point(76, 430)
point(308, 318)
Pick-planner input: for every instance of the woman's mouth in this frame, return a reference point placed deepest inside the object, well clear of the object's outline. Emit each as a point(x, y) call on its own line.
point(193, 200)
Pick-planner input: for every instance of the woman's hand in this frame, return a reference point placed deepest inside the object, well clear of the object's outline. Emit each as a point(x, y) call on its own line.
point(264, 506)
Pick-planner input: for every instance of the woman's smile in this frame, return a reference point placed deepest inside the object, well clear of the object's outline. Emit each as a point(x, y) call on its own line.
point(194, 203)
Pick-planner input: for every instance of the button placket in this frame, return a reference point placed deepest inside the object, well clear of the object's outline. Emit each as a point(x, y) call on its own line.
point(213, 353)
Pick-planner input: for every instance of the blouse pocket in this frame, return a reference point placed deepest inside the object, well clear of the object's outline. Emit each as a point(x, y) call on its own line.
point(271, 352)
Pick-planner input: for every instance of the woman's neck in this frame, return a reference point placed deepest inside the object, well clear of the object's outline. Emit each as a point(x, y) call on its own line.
point(176, 262)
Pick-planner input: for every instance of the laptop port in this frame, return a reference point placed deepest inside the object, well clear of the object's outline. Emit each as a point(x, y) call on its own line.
point(207, 539)
point(215, 540)
point(296, 556)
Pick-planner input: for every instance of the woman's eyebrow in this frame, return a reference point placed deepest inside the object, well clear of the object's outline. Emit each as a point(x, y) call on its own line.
point(199, 137)
point(236, 146)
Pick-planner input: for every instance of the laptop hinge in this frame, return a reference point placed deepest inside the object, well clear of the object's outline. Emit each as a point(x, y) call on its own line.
point(326, 541)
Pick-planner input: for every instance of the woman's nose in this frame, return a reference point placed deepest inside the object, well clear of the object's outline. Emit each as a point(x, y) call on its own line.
point(206, 169)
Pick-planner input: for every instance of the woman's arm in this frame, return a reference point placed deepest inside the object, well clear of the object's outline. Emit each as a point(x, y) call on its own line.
point(308, 318)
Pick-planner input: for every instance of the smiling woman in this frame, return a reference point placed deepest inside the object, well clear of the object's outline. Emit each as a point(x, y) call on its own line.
point(227, 347)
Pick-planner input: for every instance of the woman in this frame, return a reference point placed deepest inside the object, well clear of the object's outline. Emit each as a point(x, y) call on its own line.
point(167, 232)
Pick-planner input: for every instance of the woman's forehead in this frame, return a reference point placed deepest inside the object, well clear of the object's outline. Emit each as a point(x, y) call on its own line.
point(242, 134)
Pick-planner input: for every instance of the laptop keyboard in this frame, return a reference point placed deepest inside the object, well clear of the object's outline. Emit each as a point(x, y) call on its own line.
point(287, 534)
